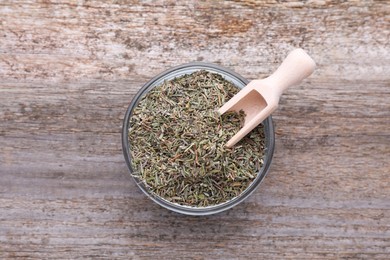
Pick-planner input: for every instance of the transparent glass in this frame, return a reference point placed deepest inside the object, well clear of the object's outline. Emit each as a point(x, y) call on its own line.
point(237, 80)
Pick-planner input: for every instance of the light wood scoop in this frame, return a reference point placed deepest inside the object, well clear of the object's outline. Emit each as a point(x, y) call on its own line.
point(260, 98)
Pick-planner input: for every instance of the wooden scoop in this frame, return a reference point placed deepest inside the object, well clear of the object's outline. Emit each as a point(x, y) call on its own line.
point(260, 98)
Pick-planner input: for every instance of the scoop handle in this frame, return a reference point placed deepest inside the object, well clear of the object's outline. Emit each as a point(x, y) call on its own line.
point(297, 66)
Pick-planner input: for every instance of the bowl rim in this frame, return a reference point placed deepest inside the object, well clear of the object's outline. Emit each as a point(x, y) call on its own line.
point(178, 71)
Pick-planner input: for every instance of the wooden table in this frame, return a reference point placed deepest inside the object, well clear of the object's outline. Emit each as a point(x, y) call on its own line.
point(69, 69)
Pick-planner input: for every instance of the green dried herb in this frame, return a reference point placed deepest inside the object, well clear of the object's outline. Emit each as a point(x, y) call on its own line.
point(177, 142)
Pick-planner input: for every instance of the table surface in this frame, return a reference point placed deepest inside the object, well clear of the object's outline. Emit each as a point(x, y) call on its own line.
point(69, 69)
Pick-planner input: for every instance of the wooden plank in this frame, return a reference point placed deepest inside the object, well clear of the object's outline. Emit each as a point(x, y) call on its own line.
point(69, 69)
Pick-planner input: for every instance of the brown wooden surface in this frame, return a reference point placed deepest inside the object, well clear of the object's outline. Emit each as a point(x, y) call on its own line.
point(68, 70)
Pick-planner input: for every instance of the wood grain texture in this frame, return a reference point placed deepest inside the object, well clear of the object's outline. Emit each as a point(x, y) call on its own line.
point(69, 69)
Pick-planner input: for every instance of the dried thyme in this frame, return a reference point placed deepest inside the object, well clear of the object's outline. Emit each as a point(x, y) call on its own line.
point(177, 142)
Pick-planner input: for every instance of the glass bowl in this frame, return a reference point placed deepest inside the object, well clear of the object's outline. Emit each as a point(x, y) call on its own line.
point(238, 81)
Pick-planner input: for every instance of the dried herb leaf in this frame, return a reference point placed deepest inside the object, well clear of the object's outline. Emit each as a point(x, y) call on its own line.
point(177, 142)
